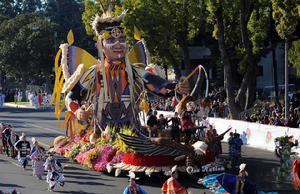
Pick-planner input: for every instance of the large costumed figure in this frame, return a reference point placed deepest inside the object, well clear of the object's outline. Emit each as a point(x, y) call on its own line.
point(102, 98)
point(110, 86)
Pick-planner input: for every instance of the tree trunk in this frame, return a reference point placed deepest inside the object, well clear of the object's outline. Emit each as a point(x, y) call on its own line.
point(186, 58)
point(23, 85)
point(246, 94)
point(251, 94)
point(186, 54)
point(228, 81)
point(174, 63)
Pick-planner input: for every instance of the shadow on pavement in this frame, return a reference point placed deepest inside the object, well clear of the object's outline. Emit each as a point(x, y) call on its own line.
point(89, 183)
point(67, 172)
point(260, 172)
point(4, 161)
point(10, 185)
point(84, 177)
point(30, 117)
point(76, 192)
point(27, 110)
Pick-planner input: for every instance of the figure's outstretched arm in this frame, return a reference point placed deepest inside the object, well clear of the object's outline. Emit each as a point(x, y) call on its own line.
point(163, 87)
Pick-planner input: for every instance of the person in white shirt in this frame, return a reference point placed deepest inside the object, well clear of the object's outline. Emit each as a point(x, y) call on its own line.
point(31, 98)
point(36, 102)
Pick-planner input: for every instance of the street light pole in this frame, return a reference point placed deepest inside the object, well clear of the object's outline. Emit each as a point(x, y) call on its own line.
point(286, 70)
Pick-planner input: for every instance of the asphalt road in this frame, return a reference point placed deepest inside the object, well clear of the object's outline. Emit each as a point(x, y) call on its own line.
point(43, 126)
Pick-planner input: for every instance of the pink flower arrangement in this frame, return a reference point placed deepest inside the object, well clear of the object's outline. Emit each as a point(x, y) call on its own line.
point(68, 146)
point(80, 158)
point(106, 156)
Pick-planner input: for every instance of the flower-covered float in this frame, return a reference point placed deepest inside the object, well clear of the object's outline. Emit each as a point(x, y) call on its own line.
point(288, 151)
point(103, 100)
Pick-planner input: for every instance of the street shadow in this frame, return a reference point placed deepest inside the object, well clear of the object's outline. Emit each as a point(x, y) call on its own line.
point(43, 135)
point(260, 172)
point(77, 192)
point(87, 177)
point(24, 110)
point(89, 183)
point(29, 117)
point(37, 134)
point(79, 173)
point(4, 161)
point(10, 185)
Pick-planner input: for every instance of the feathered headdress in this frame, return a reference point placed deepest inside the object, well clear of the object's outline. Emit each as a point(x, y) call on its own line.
point(107, 21)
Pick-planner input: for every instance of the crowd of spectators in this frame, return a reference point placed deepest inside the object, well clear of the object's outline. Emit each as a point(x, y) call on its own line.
point(273, 113)
point(216, 101)
point(269, 113)
point(39, 99)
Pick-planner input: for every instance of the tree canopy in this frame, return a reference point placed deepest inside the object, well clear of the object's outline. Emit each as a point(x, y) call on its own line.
point(31, 31)
point(26, 41)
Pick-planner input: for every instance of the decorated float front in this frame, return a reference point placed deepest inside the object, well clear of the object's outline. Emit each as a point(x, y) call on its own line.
point(103, 98)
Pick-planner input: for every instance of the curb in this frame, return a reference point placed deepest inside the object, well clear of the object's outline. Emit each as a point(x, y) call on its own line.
point(17, 106)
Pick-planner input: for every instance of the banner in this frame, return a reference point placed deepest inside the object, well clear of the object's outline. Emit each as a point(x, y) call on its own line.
point(254, 134)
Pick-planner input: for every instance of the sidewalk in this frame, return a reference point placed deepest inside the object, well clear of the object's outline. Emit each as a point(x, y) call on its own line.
point(17, 106)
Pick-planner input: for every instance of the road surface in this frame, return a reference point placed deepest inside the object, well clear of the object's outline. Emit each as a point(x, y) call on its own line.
point(43, 126)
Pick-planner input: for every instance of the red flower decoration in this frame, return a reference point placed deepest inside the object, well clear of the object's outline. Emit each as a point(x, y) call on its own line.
point(142, 160)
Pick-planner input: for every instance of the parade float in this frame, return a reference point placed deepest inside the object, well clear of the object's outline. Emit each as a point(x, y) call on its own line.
point(103, 98)
point(288, 151)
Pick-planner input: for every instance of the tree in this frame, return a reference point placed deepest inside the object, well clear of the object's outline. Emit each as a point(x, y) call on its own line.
point(11, 8)
point(91, 9)
point(28, 6)
point(25, 41)
point(294, 55)
point(241, 28)
point(287, 15)
point(67, 15)
point(7, 8)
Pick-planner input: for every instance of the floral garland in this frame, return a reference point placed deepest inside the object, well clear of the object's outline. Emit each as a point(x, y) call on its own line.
point(74, 151)
point(109, 148)
point(106, 156)
point(86, 138)
point(91, 156)
point(68, 147)
point(81, 157)
point(118, 158)
point(120, 145)
point(86, 147)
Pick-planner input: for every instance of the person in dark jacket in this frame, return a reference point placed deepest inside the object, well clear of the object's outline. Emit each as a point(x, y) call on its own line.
point(175, 129)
